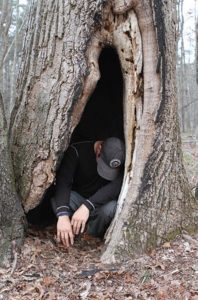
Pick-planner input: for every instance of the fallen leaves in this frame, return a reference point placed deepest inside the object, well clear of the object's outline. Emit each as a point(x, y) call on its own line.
point(84, 293)
point(48, 280)
point(166, 245)
point(47, 271)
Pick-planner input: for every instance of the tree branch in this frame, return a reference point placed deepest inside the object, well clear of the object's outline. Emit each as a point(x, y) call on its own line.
point(11, 45)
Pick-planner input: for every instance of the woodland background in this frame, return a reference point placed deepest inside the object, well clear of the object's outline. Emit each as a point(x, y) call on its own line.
point(47, 271)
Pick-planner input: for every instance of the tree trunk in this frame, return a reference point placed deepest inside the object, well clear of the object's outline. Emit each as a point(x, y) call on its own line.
point(5, 23)
point(14, 66)
point(11, 213)
point(59, 73)
point(196, 51)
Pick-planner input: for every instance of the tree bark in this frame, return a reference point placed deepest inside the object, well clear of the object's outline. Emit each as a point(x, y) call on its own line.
point(5, 23)
point(14, 66)
point(11, 213)
point(161, 204)
point(59, 73)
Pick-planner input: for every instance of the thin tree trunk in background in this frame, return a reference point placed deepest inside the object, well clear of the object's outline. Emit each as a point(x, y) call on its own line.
point(5, 22)
point(186, 75)
point(12, 19)
point(182, 68)
point(14, 68)
point(196, 31)
point(196, 39)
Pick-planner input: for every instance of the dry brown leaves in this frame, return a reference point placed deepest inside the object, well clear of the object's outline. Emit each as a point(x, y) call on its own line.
point(45, 270)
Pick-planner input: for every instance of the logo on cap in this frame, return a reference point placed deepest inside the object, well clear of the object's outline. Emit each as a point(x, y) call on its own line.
point(115, 163)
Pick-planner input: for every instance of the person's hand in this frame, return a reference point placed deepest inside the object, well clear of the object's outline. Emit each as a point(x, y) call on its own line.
point(79, 219)
point(64, 231)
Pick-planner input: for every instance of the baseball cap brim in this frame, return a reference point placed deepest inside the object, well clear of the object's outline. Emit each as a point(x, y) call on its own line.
point(105, 171)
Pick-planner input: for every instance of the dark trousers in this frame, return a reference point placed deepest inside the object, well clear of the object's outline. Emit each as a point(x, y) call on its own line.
point(99, 219)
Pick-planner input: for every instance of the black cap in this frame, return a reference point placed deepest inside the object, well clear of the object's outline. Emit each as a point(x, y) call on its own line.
point(111, 158)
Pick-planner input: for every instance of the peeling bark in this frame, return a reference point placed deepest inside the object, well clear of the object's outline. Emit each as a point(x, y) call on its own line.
point(58, 75)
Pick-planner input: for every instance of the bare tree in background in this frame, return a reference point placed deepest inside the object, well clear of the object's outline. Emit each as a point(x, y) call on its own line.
point(181, 65)
point(5, 23)
point(186, 73)
point(12, 21)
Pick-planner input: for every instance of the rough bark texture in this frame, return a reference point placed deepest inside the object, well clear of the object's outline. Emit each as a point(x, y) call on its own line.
point(161, 204)
point(11, 213)
point(50, 84)
point(59, 73)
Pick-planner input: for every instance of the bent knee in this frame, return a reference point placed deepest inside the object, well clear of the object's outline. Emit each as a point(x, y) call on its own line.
point(109, 209)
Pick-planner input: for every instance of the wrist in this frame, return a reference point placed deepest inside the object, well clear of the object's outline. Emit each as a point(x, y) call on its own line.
point(63, 217)
point(89, 205)
point(85, 207)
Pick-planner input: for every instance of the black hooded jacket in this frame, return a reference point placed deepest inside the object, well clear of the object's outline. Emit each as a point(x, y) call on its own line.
point(78, 172)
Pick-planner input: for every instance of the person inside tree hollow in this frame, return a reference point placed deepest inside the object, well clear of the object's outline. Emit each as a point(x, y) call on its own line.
point(87, 187)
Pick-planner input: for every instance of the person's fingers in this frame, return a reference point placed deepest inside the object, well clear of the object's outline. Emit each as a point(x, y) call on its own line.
point(83, 226)
point(78, 227)
point(73, 220)
point(62, 235)
point(65, 239)
point(58, 236)
point(71, 236)
point(75, 225)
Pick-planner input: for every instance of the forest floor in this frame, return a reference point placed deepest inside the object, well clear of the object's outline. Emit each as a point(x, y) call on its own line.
point(46, 270)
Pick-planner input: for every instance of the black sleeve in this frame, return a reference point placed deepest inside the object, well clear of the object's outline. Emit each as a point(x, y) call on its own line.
point(105, 194)
point(64, 179)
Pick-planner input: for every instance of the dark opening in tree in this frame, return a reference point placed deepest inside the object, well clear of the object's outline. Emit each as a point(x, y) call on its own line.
point(103, 114)
point(102, 118)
